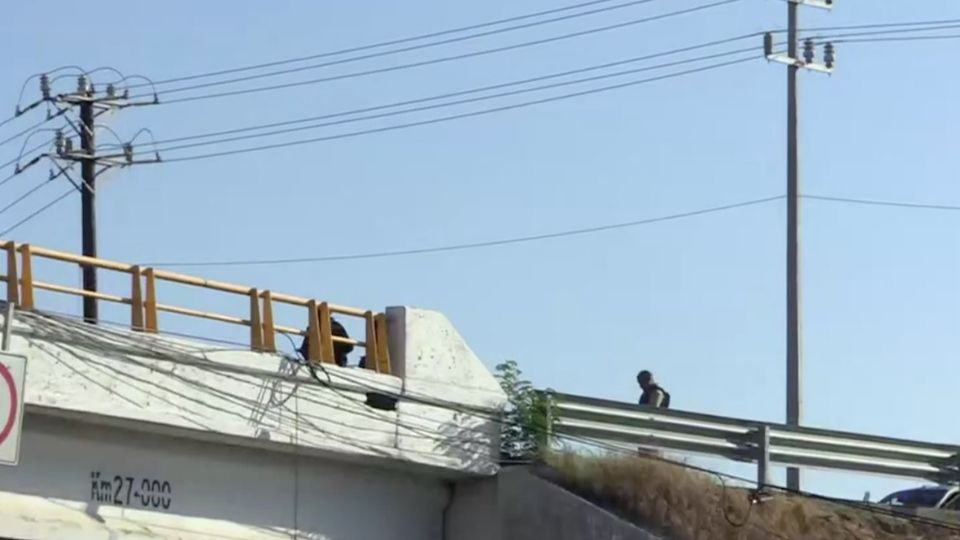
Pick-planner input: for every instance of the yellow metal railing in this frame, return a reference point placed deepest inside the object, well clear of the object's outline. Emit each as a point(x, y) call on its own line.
point(144, 307)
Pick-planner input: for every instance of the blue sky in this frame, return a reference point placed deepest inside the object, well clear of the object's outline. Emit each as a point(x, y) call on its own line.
point(699, 301)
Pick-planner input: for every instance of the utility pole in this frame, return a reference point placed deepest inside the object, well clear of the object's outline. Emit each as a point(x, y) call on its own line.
point(794, 352)
point(88, 195)
point(794, 371)
point(93, 163)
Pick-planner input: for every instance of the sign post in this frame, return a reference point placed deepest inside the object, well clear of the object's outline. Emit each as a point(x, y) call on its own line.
point(13, 370)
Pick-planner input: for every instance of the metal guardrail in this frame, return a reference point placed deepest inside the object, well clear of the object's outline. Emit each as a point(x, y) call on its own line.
point(145, 309)
point(753, 441)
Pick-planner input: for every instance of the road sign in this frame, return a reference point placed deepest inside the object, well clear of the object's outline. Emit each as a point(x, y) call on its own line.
point(13, 371)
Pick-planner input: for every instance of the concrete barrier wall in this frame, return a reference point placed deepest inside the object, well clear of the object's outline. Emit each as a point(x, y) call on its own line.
point(263, 400)
point(436, 366)
point(79, 482)
point(518, 505)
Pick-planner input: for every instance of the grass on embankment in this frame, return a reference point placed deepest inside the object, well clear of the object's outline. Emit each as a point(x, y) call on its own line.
point(681, 504)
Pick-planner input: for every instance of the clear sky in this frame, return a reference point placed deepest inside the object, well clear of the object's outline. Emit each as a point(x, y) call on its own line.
point(700, 301)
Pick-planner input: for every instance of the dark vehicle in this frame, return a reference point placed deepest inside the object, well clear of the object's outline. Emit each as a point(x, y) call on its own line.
point(945, 497)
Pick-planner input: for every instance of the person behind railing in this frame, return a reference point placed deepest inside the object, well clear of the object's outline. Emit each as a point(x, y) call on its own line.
point(340, 350)
point(652, 394)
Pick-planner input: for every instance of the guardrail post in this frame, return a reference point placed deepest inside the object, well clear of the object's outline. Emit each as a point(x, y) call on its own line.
point(150, 304)
point(383, 349)
point(268, 330)
point(373, 360)
point(13, 277)
point(326, 334)
point(136, 299)
point(313, 332)
point(549, 417)
point(763, 457)
point(256, 329)
point(26, 277)
point(951, 470)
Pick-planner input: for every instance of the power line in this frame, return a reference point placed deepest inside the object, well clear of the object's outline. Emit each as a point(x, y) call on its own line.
point(8, 120)
point(475, 245)
point(29, 129)
point(9, 178)
point(481, 112)
point(405, 49)
point(884, 203)
point(23, 154)
point(417, 64)
point(36, 213)
point(468, 91)
point(20, 199)
point(447, 104)
point(904, 38)
point(475, 27)
point(374, 45)
point(875, 25)
point(887, 32)
point(533, 238)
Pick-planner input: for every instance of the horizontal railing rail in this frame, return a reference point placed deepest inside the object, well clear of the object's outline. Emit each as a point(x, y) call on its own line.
point(145, 309)
point(751, 440)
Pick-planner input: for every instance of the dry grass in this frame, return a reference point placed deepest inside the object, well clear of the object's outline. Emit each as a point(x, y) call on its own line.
point(685, 505)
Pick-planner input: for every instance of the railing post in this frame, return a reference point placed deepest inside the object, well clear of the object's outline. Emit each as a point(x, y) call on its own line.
point(373, 361)
point(150, 304)
point(268, 331)
point(383, 349)
point(26, 277)
point(763, 457)
point(549, 417)
point(326, 334)
point(313, 333)
point(949, 470)
point(256, 330)
point(136, 299)
point(13, 276)
point(7, 327)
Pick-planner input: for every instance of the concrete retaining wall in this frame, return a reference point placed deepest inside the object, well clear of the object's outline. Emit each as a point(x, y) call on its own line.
point(518, 505)
point(90, 482)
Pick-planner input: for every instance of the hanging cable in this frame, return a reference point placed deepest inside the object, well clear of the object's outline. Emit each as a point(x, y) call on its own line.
point(416, 64)
point(36, 213)
point(484, 88)
point(450, 118)
point(474, 245)
point(450, 103)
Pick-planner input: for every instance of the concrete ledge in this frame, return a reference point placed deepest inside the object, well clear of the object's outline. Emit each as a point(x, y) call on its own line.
point(154, 383)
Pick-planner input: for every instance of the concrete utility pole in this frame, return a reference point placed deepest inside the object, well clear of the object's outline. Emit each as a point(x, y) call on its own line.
point(794, 390)
point(794, 320)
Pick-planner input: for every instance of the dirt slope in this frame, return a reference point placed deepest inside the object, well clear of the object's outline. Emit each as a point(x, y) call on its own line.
point(684, 505)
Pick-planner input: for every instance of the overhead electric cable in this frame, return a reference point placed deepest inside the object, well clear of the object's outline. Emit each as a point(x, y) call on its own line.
point(442, 119)
point(158, 145)
point(468, 91)
point(475, 245)
point(415, 64)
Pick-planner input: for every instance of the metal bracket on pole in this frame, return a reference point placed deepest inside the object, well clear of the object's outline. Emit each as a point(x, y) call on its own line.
point(822, 4)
